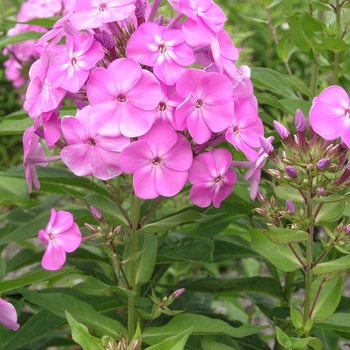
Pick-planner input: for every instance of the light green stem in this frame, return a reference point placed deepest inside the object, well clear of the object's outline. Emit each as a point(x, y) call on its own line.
point(135, 214)
point(309, 255)
point(337, 54)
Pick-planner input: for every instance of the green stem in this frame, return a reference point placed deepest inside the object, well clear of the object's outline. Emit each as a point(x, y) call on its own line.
point(288, 287)
point(149, 214)
point(337, 10)
point(309, 255)
point(135, 214)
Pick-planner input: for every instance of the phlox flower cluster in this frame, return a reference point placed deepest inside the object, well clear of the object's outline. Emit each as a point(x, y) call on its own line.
point(23, 54)
point(143, 108)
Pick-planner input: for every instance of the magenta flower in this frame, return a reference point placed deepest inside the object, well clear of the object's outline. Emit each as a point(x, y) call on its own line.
point(72, 65)
point(159, 161)
point(207, 105)
point(41, 96)
point(245, 129)
point(330, 114)
point(161, 48)
point(8, 315)
point(34, 155)
point(61, 236)
point(91, 14)
point(89, 153)
point(212, 178)
point(124, 98)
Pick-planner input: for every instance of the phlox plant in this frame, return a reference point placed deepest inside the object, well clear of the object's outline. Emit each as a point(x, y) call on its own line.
point(165, 169)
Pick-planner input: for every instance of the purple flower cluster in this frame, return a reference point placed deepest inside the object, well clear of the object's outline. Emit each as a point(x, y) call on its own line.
point(154, 96)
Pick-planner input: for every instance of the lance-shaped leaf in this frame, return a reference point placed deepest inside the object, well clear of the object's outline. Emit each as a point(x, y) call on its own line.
point(337, 265)
point(281, 235)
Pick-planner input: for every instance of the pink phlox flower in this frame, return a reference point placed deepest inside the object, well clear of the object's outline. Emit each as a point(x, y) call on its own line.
point(207, 105)
point(34, 155)
point(51, 126)
point(124, 98)
point(330, 114)
point(61, 236)
point(41, 96)
point(205, 11)
point(91, 14)
point(245, 129)
point(159, 161)
point(87, 152)
point(254, 169)
point(218, 45)
point(169, 100)
point(161, 48)
point(39, 9)
point(212, 178)
point(72, 65)
point(8, 315)
point(243, 86)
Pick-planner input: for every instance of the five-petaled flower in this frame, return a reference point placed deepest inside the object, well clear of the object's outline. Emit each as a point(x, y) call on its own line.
point(61, 236)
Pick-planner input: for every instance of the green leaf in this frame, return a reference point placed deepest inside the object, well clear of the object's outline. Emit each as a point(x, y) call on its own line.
point(17, 38)
point(225, 250)
point(187, 249)
point(269, 99)
point(59, 303)
point(2, 268)
point(284, 236)
point(337, 265)
point(287, 192)
point(208, 343)
point(283, 338)
point(329, 297)
point(37, 327)
point(15, 126)
point(145, 264)
point(44, 21)
point(93, 286)
point(256, 284)
point(300, 344)
point(331, 199)
point(297, 84)
point(176, 342)
point(299, 37)
point(271, 80)
point(284, 47)
point(280, 256)
point(204, 326)
point(297, 317)
point(81, 335)
point(333, 44)
point(291, 105)
point(330, 211)
point(176, 220)
point(338, 322)
point(34, 277)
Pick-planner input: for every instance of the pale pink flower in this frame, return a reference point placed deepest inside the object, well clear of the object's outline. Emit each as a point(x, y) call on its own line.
point(245, 129)
point(330, 114)
point(207, 105)
point(91, 14)
point(161, 48)
point(212, 178)
point(61, 236)
point(89, 153)
point(72, 65)
point(124, 98)
point(159, 161)
point(8, 315)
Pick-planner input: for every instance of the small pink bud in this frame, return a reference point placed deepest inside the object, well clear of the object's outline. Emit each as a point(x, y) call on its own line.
point(347, 229)
point(96, 213)
point(322, 164)
point(261, 211)
point(320, 191)
point(177, 293)
point(262, 198)
point(291, 171)
point(290, 206)
point(300, 121)
point(266, 145)
point(282, 131)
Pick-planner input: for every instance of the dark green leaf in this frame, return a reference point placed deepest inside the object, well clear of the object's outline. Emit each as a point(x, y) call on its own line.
point(281, 235)
point(8, 40)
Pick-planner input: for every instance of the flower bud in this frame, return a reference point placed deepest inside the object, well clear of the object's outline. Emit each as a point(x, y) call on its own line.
point(282, 131)
point(345, 176)
point(262, 198)
point(266, 145)
point(321, 191)
point(290, 206)
point(273, 202)
point(300, 121)
point(91, 228)
point(177, 293)
point(96, 213)
point(274, 173)
point(322, 164)
point(261, 211)
point(291, 171)
point(347, 229)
